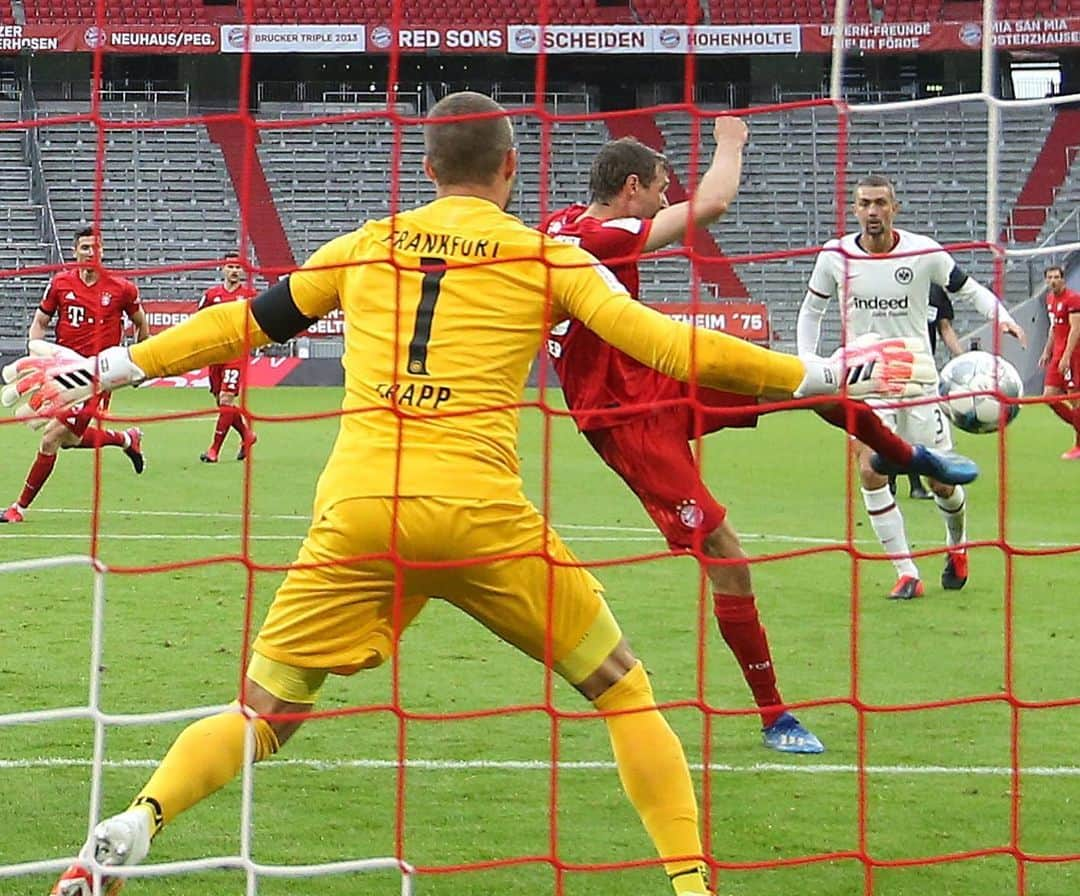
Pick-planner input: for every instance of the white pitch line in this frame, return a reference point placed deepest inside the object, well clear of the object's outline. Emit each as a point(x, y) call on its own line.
point(650, 534)
point(529, 765)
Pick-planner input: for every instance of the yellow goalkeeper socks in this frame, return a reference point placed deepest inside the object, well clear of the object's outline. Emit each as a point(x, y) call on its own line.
point(654, 773)
point(206, 756)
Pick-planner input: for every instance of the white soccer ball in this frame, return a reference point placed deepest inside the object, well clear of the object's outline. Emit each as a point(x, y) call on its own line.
point(972, 385)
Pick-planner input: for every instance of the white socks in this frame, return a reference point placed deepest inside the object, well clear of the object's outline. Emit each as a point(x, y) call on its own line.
point(954, 512)
point(888, 525)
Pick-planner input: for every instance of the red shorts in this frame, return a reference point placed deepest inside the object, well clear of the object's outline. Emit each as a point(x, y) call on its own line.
point(225, 378)
point(1054, 377)
point(82, 415)
point(653, 457)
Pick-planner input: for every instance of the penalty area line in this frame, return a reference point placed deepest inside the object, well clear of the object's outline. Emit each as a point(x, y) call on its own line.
point(528, 765)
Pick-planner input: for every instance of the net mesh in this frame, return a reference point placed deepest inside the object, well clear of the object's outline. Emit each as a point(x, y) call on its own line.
point(263, 166)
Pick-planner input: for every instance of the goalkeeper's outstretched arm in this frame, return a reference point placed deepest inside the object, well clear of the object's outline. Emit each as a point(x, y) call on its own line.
point(221, 333)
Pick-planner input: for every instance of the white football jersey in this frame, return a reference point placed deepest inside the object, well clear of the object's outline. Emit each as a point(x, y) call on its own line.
point(886, 294)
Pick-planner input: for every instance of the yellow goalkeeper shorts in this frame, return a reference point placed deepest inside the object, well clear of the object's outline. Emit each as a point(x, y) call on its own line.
point(363, 575)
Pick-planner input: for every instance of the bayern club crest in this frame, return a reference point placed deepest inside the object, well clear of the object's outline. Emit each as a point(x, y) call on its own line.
point(106, 298)
point(690, 515)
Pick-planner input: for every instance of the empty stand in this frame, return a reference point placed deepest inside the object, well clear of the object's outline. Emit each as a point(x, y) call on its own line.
point(167, 198)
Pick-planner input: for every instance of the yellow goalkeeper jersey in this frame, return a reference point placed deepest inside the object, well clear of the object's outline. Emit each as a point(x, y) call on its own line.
point(445, 309)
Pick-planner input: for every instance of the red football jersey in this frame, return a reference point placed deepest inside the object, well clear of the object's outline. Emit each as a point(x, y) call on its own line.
point(1060, 307)
point(597, 379)
point(217, 295)
point(89, 319)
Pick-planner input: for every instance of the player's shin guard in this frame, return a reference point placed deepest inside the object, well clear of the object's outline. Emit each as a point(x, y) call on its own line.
point(654, 773)
point(954, 512)
point(206, 756)
point(888, 525)
point(742, 631)
point(40, 471)
point(861, 421)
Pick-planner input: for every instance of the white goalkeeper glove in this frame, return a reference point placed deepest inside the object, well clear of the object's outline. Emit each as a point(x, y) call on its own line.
point(50, 379)
point(897, 367)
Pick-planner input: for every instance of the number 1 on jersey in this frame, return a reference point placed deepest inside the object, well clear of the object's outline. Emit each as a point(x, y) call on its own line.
point(435, 269)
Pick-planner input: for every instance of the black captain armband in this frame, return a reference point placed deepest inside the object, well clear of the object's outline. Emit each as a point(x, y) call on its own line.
point(277, 315)
point(957, 279)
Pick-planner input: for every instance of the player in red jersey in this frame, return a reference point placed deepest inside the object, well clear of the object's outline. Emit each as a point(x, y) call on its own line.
point(616, 401)
point(1061, 356)
point(89, 305)
point(225, 379)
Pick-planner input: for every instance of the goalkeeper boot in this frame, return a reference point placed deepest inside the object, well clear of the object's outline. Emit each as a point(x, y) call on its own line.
point(946, 467)
point(14, 514)
point(787, 735)
point(906, 588)
point(209, 456)
point(123, 839)
point(134, 449)
point(245, 447)
point(955, 574)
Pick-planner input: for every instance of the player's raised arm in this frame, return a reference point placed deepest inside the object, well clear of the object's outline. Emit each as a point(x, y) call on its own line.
point(958, 283)
point(591, 293)
point(714, 193)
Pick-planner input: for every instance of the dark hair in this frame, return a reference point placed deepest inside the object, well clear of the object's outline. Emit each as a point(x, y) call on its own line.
point(616, 161)
point(82, 232)
point(877, 180)
point(467, 150)
point(1055, 267)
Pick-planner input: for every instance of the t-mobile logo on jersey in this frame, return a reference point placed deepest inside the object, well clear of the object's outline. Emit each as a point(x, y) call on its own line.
point(881, 303)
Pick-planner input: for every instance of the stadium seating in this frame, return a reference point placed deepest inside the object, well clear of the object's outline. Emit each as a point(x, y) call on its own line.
point(22, 243)
point(167, 198)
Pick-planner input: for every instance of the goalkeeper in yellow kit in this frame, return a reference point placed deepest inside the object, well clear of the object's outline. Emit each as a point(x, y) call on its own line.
point(446, 307)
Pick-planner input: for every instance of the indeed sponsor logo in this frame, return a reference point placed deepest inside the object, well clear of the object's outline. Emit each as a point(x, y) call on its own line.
point(880, 303)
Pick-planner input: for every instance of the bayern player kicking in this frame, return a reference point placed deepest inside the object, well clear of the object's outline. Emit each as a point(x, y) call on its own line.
point(1061, 355)
point(883, 276)
point(614, 399)
point(89, 305)
point(225, 379)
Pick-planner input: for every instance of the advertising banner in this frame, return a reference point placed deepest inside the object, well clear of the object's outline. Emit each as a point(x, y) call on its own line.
point(635, 39)
point(293, 38)
point(437, 38)
point(747, 320)
point(936, 37)
point(172, 39)
point(161, 315)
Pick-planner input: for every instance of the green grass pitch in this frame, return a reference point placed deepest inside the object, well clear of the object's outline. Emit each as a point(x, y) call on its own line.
point(936, 781)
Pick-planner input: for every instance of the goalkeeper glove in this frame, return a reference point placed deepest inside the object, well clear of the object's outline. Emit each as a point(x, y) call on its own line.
point(50, 379)
point(897, 367)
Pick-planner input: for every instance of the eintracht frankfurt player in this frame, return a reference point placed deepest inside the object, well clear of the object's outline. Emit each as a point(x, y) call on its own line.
point(89, 306)
point(225, 379)
point(641, 422)
point(1061, 354)
point(883, 276)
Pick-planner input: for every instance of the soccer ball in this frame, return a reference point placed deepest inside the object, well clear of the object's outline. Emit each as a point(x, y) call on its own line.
point(971, 385)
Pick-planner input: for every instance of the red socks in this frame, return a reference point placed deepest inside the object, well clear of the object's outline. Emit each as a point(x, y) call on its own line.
point(101, 438)
point(867, 427)
point(228, 416)
point(35, 479)
point(741, 628)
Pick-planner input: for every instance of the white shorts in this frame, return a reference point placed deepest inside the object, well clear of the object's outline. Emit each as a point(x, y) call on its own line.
point(922, 424)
